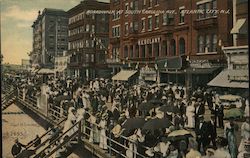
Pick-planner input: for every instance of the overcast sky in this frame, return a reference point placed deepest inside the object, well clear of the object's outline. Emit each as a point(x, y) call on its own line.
point(17, 17)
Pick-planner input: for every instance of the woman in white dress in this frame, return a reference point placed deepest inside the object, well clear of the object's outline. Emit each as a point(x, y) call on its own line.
point(190, 112)
point(71, 119)
point(245, 133)
point(103, 137)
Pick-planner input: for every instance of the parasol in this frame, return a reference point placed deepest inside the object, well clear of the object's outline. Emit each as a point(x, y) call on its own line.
point(229, 97)
point(147, 106)
point(233, 113)
point(179, 135)
point(157, 123)
point(133, 123)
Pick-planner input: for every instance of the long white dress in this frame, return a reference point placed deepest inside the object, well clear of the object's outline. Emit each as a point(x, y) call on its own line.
point(69, 123)
point(103, 137)
point(190, 116)
point(245, 135)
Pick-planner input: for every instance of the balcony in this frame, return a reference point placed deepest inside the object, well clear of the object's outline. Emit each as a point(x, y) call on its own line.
point(115, 40)
point(112, 61)
point(205, 23)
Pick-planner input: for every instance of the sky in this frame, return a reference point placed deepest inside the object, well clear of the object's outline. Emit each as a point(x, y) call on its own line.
point(17, 16)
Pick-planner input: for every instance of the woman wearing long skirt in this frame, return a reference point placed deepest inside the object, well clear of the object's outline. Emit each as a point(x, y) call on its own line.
point(103, 137)
point(190, 116)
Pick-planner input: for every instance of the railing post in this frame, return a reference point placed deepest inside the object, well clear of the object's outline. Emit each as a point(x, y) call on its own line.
point(110, 151)
point(79, 131)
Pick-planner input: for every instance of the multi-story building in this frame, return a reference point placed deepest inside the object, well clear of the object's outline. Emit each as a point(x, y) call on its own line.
point(236, 74)
point(61, 65)
point(183, 38)
point(26, 64)
point(88, 39)
point(50, 32)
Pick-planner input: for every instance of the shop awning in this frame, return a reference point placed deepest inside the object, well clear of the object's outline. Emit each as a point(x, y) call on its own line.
point(201, 70)
point(239, 27)
point(124, 75)
point(231, 78)
point(45, 71)
point(193, 71)
point(60, 69)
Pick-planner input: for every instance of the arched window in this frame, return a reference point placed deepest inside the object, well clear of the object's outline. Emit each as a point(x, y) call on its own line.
point(131, 51)
point(172, 47)
point(125, 51)
point(164, 48)
point(182, 46)
point(137, 51)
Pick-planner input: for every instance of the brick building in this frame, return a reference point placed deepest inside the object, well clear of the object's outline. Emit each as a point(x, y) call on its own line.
point(236, 75)
point(179, 42)
point(88, 39)
point(50, 32)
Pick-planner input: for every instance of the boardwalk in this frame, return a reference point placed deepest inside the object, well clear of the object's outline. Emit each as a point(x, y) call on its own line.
point(16, 124)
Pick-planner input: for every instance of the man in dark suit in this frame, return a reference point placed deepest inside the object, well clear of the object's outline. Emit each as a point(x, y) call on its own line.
point(202, 134)
point(220, 115)
point(212, 130)
point(199, 111)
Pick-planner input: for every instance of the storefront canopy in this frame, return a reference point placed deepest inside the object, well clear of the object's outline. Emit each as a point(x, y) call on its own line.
point(124, 75)
point(231, 78)
point(239, 27)
point(60, 69)
point(45, 71)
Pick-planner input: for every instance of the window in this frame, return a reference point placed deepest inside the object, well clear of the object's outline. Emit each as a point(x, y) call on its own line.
point(136, 5)
point(126, 28)
point(150, 3)
point(149, 23)
point(182, 14)
point(182, 46)
point(165, 48)
point(143, 51)
point(167, 19)
point(173, 47)
point(143, 24)
point(131, 51)
point(116, 31)
point(126, 8)
point(136, 26)
point(214, 43)
point(208, 43)
point(157, 21)
point(137, 51)
point(87, 28)
point(156, 2)
point(203, 7)
point(156, 49)
point(201, 47)
point(214, 7)
point(93, 28)
point(92, 58)
point(149, 48)
point(144, 2)
point(87, 43)
point(125, 51)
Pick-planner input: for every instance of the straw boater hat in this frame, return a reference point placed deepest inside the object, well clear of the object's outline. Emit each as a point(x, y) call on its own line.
point(150, 152)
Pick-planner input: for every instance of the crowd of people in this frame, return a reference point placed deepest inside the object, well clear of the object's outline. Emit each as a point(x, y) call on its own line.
point(106, 107)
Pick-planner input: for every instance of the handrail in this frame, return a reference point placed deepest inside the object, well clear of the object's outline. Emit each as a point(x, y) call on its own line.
point(46, 133)
point(59, 138)
point(62, 144)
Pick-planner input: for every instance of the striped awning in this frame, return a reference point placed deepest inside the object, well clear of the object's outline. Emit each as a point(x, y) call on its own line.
point(231, 78)
point(124, 75)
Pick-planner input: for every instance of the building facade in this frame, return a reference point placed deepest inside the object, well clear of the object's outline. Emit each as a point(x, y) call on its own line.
point(26, 64)
point(50, 33)
point(173, 34)
point(88, 39)
point(236, 75)
point(61, 65)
